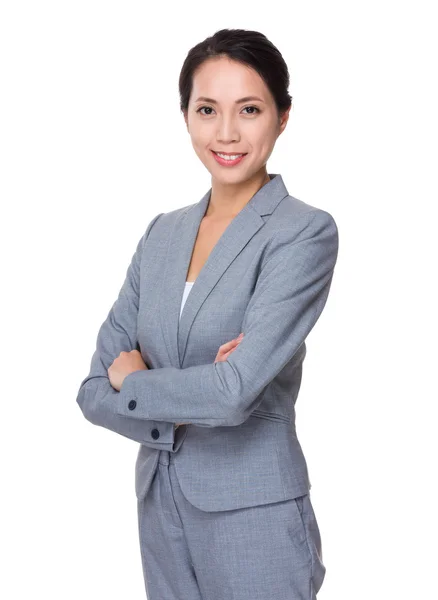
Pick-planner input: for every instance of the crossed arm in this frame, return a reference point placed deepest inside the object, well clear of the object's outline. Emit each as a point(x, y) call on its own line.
point(290, 294)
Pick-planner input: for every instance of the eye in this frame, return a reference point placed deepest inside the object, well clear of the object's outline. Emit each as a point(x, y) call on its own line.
point(202, 107)
point(210, 108)
point(254, 107)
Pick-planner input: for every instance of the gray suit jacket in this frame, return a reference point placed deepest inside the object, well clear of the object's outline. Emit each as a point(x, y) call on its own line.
point(268, 276)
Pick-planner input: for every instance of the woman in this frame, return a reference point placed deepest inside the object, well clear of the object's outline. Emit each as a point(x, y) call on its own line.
point(224, 506)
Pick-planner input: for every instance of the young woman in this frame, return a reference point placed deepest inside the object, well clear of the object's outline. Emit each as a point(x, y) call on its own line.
point(223, 490)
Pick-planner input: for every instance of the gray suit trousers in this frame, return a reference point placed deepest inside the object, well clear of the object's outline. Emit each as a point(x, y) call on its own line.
point(269, 551)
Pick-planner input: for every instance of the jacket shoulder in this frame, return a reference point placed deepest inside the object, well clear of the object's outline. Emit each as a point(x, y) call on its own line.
point(294, 208)
point(293, 215)
point(163, 223)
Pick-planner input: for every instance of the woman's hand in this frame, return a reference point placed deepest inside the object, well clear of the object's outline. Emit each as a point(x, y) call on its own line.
point(224, 352)
point(123, 365)
point(226, 349)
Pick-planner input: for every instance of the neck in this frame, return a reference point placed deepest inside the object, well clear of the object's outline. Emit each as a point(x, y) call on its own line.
point(227, 200)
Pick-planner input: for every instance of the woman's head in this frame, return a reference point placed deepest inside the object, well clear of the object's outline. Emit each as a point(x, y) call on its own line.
point(231, 65)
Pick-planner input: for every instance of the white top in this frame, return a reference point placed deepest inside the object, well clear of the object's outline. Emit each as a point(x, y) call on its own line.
point(187, 288)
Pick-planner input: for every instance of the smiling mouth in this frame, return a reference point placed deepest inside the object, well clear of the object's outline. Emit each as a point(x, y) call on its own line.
point(230, 153)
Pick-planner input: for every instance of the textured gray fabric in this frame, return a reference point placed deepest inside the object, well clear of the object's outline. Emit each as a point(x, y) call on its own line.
point(271, 551)
point(269, 277)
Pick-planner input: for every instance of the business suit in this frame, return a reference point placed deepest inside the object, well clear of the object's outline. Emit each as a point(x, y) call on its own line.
point(268, 276)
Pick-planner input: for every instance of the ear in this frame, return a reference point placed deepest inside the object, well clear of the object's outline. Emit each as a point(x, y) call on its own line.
point(283, 121)
point(186, 119)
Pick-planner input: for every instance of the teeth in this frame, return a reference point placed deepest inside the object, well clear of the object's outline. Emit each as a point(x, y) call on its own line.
point(227, 157)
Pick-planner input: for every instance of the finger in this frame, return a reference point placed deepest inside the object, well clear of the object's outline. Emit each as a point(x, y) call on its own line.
point(225, 347)
point(222, 356)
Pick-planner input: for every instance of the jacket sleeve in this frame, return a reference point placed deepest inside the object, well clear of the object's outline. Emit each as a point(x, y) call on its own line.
point(290, 294)
point(96, 397)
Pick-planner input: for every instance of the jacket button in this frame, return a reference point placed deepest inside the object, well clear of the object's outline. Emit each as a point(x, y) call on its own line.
point(132, 404)
point(155, 434)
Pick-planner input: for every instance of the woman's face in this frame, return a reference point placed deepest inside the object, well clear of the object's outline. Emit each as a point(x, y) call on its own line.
point(229, 126)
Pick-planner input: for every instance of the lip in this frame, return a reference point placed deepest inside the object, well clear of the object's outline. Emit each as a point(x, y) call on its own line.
point(228, 163)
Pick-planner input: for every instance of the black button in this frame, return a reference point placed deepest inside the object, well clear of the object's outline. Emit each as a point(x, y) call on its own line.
point(132, 404)
point(155, 434)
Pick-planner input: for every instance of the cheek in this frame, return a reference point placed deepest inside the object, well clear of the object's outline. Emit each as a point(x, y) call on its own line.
point(200, 140)
point(267, 142)
point(262, 138)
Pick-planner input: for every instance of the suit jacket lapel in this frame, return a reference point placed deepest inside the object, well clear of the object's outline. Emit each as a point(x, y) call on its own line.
point(181, 244)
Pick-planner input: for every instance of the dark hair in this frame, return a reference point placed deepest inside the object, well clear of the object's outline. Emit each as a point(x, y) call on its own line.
point(251, 48)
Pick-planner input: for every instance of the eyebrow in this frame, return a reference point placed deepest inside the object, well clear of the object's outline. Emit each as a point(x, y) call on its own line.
point(246, 99)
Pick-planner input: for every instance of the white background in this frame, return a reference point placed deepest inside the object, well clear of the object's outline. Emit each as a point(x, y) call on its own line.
point(90, 129)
